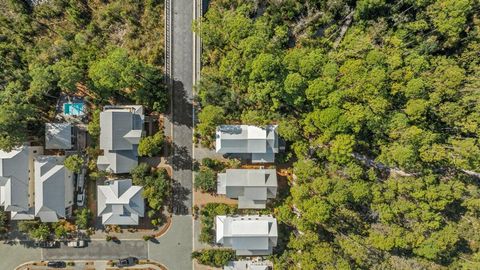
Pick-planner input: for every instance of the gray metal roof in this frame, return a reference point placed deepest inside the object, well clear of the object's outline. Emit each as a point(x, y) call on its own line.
point(121, 129)
point(252, 187)
point(237, 139)
point(120, 203)
point(53, 188)
point(58, 136)
point(14, 167)
point(118, 161)
point(247, 235)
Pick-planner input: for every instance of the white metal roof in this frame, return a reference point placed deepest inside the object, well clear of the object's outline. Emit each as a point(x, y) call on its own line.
point(247, 234)
point(53, 188)
point(246, 139)
point(14, 167)
point(120, 203)
point(121, 129)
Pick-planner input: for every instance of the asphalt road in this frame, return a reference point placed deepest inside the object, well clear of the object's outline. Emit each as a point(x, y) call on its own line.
point(182, 75)
point(12, 255)
point(99, 250)
point(175, 247)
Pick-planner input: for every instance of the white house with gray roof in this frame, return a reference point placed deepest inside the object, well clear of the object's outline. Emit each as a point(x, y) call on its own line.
point(58, 136)
point(53, 188)
point(247, 235)
point(261, 143)
point(16, 184)
point(121, 128)
point(120, 203)
point(252, 187)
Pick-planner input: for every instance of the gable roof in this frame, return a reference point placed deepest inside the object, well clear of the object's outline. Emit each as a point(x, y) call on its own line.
point(120, 203)
point(237, 139)
point(14, 179)
point(252, 187)
point(115, 124)
point(121, 129)
point(52, 185)
point(118, 161)
point(247, 235)
point(58, 136)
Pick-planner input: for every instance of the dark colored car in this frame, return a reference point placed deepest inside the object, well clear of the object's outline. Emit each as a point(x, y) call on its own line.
point(56, 264)
point(48, 244)
point(127, 261)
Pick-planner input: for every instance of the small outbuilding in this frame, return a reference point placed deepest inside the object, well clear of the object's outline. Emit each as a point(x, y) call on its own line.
point(58, 136)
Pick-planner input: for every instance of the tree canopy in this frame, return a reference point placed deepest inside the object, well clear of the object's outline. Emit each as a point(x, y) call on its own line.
point(111, 49)
point(378, 103)
point(74, 163)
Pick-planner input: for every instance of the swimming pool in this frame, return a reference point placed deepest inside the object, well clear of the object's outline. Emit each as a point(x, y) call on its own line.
point(73, 108)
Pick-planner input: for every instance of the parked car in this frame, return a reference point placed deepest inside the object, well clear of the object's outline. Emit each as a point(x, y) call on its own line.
point(56, 264)
point(81, 180)
point(80, 199)
point(127, 261)
point(76, 244)
point(48, 244)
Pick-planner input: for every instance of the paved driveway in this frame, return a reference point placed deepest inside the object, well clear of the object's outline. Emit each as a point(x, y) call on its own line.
point(99, 250)
point(13, 255)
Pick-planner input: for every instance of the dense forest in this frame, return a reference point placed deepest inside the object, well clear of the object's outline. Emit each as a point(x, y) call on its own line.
point(110, 49)
point(378, 101)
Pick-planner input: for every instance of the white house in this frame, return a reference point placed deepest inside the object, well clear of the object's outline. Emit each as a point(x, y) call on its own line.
point(252, 187)
point(261, 143)
point(121, 128)
point(247, 235)
point(120, 203)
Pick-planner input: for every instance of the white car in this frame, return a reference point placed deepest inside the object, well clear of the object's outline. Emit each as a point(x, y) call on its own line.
point(80, 199)
point(76, 243)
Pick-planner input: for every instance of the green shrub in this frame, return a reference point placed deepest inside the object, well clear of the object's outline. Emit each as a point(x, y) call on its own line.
point(93, 127)
point(148, 237)
point(3, 222)
point(74, 163)
point(214, 257)
point(82, 218)
point(209, 118)
point(152, 145)
point(213, 164)
point(156, 188)
point(208, 214)
point(206, 180)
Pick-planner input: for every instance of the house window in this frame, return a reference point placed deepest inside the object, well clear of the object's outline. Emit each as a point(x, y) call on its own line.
point(34, 151)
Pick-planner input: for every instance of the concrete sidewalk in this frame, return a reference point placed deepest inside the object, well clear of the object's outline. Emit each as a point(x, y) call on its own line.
point(87, 265)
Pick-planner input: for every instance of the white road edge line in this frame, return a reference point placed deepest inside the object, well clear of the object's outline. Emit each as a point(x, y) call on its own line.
point(194, 70)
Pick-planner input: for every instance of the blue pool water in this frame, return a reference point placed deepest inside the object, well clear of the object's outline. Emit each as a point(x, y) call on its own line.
point(73, 108)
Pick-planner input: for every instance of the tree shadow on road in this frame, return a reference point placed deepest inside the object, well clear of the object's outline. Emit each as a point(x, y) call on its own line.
point(180, 198)
point(182, 158)
point(182, 105)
